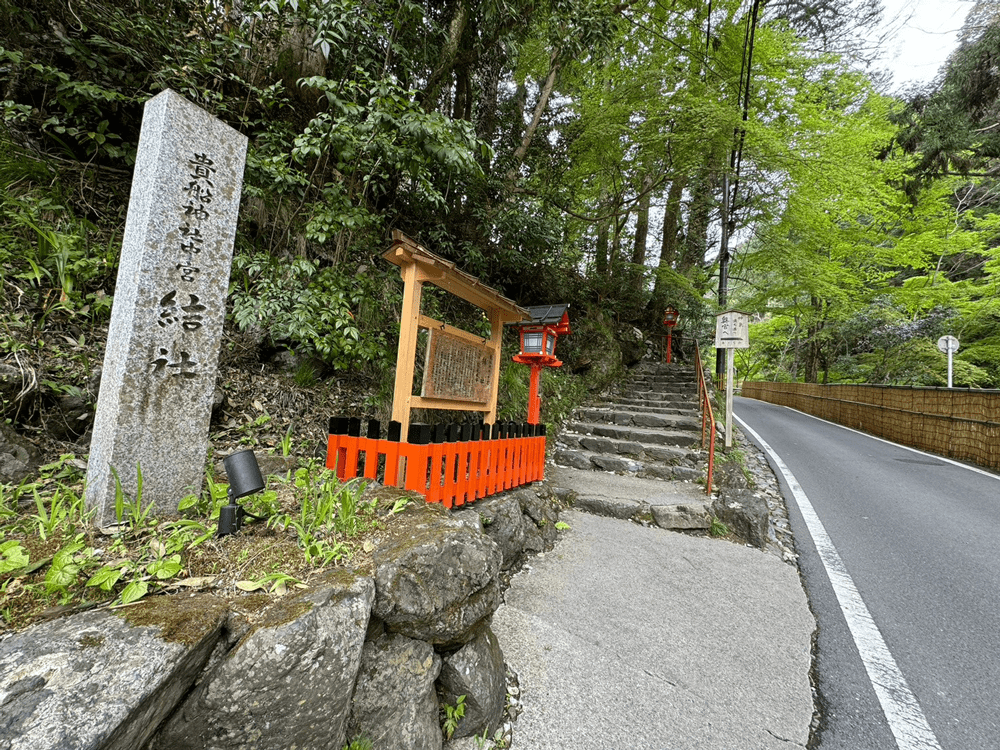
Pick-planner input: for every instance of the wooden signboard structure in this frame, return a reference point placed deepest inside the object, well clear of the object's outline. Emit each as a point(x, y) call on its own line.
point(450, 464)
point(462, 369)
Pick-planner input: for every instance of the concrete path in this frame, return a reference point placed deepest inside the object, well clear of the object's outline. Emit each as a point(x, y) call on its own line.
point(634, 638)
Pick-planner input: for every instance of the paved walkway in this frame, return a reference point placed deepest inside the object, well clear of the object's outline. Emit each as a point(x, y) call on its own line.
point(633, 638)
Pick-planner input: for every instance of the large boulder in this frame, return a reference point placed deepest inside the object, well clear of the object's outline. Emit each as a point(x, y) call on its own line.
point(101, 679)
point(288, 683)
point(504, 524)
point(541, 511)
point(476, 671)
point(745, 513)
point(684, 516)
point(18, 457)
point(437, 578)
point(633, 345)
point(614, 507)
point(395, 705)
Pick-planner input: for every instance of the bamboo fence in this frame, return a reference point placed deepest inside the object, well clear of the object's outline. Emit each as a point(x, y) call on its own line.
point(958, 423)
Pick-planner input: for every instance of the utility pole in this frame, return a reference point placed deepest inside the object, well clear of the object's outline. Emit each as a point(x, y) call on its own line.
point(720, 354)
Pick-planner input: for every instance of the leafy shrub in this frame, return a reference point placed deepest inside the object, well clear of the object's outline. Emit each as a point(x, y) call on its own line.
point(311, 306)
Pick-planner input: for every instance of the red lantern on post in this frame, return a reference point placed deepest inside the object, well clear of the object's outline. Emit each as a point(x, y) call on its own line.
point(670, 318)
point(538, 348)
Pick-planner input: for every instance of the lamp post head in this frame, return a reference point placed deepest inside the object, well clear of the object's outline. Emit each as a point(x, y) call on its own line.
point(539, 335)
point(671, 316)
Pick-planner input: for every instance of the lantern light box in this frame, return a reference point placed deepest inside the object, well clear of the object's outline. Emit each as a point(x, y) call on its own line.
point(538, 347)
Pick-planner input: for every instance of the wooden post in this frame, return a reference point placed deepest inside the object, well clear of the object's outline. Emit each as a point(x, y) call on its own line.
point(407, 353)
point(534, 395)
point(496, 339)
point(729, 397)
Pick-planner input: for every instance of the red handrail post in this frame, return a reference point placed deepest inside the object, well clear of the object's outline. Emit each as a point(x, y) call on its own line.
point(707, 417)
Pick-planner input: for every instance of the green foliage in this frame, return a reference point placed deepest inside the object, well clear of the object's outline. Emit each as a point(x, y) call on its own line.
point(717, 528)
point(310, 306)
point(14, 558)
point(327, 510)
point(452, 716)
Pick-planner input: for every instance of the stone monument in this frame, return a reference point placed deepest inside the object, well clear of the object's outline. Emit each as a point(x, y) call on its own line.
point(155, 402)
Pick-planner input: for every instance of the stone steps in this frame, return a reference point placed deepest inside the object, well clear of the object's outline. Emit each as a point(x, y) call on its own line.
point(650, 429)
point(629, 466)
point(678, 435)
point(679, 406)
point(659, 398)
point(658, 380)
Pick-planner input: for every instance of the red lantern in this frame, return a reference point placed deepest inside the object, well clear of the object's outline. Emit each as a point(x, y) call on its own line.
point(670, 318)
point(538, 348)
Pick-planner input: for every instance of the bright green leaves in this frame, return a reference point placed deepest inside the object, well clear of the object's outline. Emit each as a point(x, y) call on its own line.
point(12, 557)
point(66, 566)
point(105, 578)
point(316, 308)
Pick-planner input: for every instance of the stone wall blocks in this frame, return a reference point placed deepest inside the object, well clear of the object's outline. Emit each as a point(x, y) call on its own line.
point(289, 680)
point(477, 672)
point(395, 704)
point(436, 579)
point(503, 522)
point(57, 677)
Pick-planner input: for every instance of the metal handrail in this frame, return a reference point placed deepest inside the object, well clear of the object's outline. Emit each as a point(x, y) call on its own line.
point(707, 417)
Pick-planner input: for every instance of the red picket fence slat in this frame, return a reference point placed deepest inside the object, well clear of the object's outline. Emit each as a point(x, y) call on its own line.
point(452, 473)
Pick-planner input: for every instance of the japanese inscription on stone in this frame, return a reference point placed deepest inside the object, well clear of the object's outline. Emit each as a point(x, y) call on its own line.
point(160, 364)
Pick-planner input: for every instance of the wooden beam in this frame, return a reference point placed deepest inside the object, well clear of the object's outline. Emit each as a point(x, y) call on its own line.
point(422, 402)
point(437, 325)
point(445, 274)
point(496, 341)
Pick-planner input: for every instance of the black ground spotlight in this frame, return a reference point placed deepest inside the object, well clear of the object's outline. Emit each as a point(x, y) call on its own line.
point(244, 479)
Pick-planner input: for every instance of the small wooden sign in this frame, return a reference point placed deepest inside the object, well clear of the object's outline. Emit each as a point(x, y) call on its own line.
point(732, 330)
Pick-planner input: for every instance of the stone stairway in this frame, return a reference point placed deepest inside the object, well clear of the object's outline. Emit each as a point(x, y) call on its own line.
point(650, 428)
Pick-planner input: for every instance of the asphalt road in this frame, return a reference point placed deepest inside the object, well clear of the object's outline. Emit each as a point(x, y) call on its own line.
point(917, 538)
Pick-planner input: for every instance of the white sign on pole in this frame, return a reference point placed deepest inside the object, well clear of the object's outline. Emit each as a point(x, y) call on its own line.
point(948, 345)
point(732, 330)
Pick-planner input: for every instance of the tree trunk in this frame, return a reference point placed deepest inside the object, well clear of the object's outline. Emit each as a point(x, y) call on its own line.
point(814, 347)
point(435, 83)
point(601, 250)
point(490, 69)
point(642, 222)
point(699, 212)
point(668, 243)
point(540, 105)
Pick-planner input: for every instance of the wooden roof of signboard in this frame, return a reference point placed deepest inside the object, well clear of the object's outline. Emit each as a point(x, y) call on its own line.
point(445, 274)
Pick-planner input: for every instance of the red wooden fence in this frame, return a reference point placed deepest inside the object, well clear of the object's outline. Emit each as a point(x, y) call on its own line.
point(454, 464)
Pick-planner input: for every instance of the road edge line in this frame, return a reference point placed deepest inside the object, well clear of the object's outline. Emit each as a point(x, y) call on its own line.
point(902, 710)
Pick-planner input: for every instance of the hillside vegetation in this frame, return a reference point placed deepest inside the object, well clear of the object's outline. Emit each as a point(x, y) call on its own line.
point(618, 156)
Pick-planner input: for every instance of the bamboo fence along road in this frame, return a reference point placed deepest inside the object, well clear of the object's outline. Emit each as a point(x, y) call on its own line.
point(958, 423)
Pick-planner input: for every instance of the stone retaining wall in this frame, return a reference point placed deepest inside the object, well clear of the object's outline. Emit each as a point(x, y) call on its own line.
point(350, 656)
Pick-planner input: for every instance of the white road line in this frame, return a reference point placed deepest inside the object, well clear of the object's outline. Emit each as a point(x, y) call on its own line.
point(902, 711)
